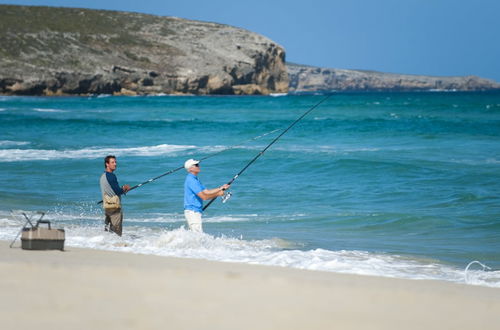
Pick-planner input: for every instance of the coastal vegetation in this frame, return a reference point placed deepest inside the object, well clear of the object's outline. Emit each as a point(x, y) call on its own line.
point(47, 51)
point(73, 51)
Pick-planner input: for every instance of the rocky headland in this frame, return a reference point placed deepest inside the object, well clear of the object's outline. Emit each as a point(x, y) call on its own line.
point(68, 51)
point(305, 79)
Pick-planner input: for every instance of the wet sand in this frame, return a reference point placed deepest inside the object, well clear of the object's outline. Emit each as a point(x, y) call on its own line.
point(91, 289)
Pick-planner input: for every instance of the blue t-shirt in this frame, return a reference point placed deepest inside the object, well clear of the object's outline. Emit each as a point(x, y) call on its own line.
point(193, 186)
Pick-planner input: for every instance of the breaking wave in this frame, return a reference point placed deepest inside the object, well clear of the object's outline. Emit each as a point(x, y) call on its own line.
point(183, 243)
point(13, 155)
point(8, 143)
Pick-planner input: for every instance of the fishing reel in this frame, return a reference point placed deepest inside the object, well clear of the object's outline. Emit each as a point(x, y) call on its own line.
point(227, 195)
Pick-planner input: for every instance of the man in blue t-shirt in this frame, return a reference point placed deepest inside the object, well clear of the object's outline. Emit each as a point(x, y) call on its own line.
point(195, 193)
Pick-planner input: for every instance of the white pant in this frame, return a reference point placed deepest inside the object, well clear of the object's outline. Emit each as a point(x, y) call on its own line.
point(194, 220)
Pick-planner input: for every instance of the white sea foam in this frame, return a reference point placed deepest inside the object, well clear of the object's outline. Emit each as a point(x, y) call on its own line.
point(179, 218)
point(328, 149)
point(157, 94)
point(232, 218)
point(440, 90)
point(8, 143)
point(12, 155)
point(273, 252)
point(49, 110)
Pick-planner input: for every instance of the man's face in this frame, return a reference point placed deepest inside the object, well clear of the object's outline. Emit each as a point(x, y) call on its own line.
point(111, 165)
point(195, 169)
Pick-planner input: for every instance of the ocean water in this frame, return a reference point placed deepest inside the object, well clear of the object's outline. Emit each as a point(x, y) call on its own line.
point(401, 185)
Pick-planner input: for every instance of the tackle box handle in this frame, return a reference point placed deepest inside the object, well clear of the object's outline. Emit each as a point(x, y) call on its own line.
point(43, 221)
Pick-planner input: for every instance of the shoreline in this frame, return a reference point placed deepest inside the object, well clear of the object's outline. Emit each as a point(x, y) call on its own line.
point(294, 93)
point(84, 288)
point(407, 267)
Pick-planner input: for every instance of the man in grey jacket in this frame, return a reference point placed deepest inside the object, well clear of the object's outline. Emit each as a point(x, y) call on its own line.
point(111, 196)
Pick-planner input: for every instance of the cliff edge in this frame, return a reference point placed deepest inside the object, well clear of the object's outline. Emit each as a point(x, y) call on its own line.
point(68, 51)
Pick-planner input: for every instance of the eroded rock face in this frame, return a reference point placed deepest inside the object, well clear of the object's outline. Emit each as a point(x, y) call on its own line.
point(61, 51)
point(309, 79)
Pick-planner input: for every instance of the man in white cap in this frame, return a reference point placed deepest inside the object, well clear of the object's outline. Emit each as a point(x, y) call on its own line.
point(195, 193)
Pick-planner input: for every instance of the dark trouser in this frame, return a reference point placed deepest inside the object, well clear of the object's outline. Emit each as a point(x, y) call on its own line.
point(113, 220)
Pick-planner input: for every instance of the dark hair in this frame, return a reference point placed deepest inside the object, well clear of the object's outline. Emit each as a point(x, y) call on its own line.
point(106, 160)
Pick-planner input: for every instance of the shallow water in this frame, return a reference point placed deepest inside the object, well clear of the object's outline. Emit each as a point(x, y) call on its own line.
point(402, 185)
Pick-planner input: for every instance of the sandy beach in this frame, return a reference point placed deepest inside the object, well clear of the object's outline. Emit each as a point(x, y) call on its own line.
point(91, 289)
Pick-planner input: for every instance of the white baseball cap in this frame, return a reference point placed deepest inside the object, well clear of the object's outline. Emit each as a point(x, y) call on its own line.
point(190, 162)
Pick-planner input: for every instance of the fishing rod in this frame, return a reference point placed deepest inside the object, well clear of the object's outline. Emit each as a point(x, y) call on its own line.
point(226, 197)
point(202, 159)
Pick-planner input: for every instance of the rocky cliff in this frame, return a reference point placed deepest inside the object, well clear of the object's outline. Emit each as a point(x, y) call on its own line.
point(66, 51)
point(309, 79)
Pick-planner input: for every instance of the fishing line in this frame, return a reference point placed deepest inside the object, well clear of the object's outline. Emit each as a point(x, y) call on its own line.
point(472, 263)
point(226, 197)
point(202, 159)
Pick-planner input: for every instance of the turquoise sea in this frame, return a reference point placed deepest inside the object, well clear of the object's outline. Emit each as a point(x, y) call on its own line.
point(403, 185)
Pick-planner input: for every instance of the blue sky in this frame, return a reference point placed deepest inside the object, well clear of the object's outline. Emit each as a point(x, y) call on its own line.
point(432, 37)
